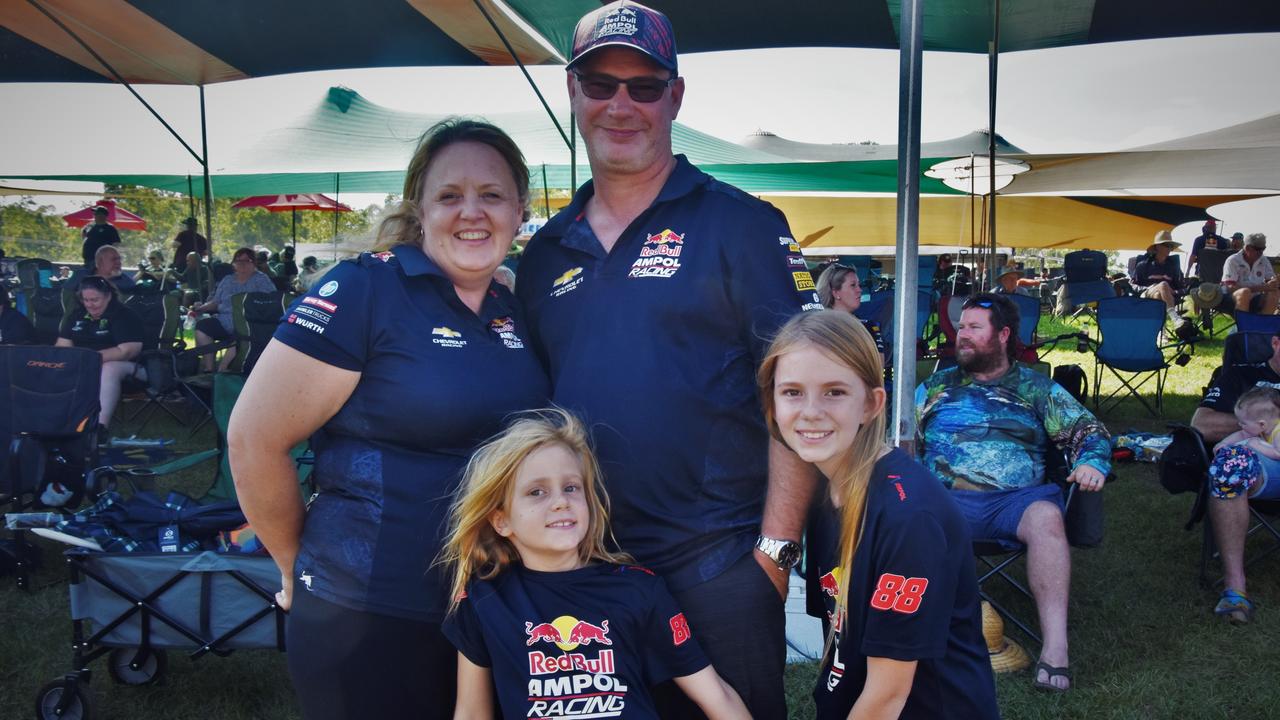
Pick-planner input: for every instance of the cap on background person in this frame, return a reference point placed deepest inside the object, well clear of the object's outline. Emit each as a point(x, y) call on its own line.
point(625, 24)
point(1238, 236)
point(189, 222)
point(100, 210)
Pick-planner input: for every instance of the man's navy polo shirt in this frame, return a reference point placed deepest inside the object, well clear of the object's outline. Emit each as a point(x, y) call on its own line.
point(656, 345)
point(436, 381)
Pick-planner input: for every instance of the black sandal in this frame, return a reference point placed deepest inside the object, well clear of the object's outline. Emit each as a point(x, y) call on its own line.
point(1051, 672)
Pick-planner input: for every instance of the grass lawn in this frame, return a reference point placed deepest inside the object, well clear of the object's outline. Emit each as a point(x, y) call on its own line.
point(1144, 642)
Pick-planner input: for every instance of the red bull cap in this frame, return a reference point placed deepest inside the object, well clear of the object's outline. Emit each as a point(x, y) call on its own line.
point(626, 24)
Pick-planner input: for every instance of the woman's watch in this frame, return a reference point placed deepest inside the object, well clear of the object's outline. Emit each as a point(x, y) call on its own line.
point(786, 553)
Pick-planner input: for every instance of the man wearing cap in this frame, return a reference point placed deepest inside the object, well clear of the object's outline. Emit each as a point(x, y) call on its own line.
point(651, 299)
point(1237, 242)
point(99, 234)
point(1248, 276)
point(1209, 238)
point(1160, 275)
point(188, 241)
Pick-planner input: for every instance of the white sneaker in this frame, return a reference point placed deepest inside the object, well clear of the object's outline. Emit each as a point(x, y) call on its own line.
point(55, 495)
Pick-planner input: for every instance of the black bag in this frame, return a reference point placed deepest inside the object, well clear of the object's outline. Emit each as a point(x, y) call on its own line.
point(1185, 463)
point(1073, 380)
point(1085, 519)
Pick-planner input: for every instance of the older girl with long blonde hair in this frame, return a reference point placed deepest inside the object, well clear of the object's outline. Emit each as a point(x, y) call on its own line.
point(893, 553)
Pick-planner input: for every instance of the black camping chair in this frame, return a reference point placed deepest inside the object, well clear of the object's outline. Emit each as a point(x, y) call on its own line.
point(160, 316)
point(1083, 520)
point(48, 434)
point(1086, 281)
point(254, 316)
point(45, 309)
point(1210, 262)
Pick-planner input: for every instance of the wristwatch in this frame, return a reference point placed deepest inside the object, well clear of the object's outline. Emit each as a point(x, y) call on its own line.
point(786, 553)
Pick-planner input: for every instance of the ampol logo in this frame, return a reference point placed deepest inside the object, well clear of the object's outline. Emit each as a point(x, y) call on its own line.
point(568, 632)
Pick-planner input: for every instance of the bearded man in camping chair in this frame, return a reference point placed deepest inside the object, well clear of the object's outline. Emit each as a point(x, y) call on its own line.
point(990, 413)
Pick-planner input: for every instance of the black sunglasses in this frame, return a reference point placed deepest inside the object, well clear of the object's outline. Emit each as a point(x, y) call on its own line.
point(641, 89)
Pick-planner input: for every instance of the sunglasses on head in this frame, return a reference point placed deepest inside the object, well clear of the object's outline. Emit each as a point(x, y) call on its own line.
point(604, 87)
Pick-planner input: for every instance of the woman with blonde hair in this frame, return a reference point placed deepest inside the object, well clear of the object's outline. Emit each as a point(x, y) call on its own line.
point(396, 365)
point(527, 549)
point(896, 562)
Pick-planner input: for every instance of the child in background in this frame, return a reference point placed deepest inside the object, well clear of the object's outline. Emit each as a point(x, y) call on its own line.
point(1258, 412)
point(541, 608)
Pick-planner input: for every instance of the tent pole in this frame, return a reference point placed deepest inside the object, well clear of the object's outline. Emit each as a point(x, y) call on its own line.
point(337, 201)
point(994, 66)
point(573, 156)
point(910, 57)
point(208, 195)
point(512, 52)
point(546, 194)
point(191, 197)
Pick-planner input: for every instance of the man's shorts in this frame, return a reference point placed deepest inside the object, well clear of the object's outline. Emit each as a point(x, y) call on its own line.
point(1237, 468)
point(995, 514)
point(1153, 291)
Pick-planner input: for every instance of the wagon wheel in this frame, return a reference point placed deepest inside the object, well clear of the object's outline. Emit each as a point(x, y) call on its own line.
point(79, 705)
point(127, 669)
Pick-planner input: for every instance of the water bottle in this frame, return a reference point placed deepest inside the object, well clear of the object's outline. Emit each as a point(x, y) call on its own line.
point(190, 323)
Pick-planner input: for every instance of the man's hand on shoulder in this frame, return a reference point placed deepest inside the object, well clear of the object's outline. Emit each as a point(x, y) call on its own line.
point(1087, 477)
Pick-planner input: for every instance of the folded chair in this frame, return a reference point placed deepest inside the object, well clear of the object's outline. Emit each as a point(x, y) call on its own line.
point(48, 435)
point(1129, 330)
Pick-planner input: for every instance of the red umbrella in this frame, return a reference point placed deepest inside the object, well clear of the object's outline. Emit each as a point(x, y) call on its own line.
point(294, 203)
point(122, 219)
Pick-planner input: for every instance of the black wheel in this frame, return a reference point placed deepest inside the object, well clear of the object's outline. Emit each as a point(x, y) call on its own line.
point(127, 669)
point(79, 705)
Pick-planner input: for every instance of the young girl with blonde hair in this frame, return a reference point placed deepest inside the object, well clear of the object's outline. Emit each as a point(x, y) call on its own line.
point(893, 552)
point(542, 609)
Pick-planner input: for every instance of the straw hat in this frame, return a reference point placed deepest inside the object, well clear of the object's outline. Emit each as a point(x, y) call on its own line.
point(1164, 237)
point(1006, 655)
point(1207, 295)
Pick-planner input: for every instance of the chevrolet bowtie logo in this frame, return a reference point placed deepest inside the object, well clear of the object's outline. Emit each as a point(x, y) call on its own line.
point(567, 276)
point(445, 332)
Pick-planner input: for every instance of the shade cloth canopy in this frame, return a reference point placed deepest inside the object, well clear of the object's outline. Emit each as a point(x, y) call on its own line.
point(117, 216)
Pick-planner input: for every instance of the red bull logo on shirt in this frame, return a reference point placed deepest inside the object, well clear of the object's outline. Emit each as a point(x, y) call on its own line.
point(659, 256)
point(665, 237)
point(566, 684)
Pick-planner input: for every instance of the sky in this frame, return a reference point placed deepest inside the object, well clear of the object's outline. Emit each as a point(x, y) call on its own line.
point(1078, 99)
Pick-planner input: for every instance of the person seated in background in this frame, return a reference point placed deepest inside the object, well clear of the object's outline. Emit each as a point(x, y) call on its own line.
point(244, 278)
point(1237, 242)
point(100, 321)
point(262, 263)
point(197, 279)
point(984, 428)
point(1159, 276)
point(154, 273)
point(108, 264)
point(15, 328)
point(1008, 281)
point(310, 271)
point(1237, 473)
point(1250, 279)
point(839, 289)
point(950, 278)
point(285, 268)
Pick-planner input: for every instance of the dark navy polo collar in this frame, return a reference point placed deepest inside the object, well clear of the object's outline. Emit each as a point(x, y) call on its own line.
point(415, 262)
point(566, 226)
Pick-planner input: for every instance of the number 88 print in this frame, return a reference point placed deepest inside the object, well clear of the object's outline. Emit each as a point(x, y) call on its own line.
point(898, 593)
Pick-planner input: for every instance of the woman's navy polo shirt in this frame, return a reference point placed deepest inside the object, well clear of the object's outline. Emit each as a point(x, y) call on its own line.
point(436, 381)
point(656, 345)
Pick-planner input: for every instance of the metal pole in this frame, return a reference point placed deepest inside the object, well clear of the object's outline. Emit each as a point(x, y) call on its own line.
point(546, 194)
point(994, 65)
point(573, 156)
point(191, 197)
point(910, 58)
point(208, 197)
point(337, 193)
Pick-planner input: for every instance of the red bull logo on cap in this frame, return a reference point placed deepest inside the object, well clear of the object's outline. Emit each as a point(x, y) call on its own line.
point(567, 632)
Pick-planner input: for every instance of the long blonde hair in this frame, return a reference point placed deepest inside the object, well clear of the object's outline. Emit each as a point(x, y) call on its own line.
point(473, 550)
point(403, 224)
point(843, 338)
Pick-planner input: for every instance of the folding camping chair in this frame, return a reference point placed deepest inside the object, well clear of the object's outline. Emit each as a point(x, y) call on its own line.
point(1128, 331)
point(1086, 280)
point(254, 317)
point(45, 309)
point(48, 434)
point(1254, 323)
point(160, 315)
point(1210, 262)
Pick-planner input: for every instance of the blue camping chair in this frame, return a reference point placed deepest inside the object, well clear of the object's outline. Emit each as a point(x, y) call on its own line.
point(1086, 278)
point(1248, 322)
point(1028, 317)
point(1129, 331)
